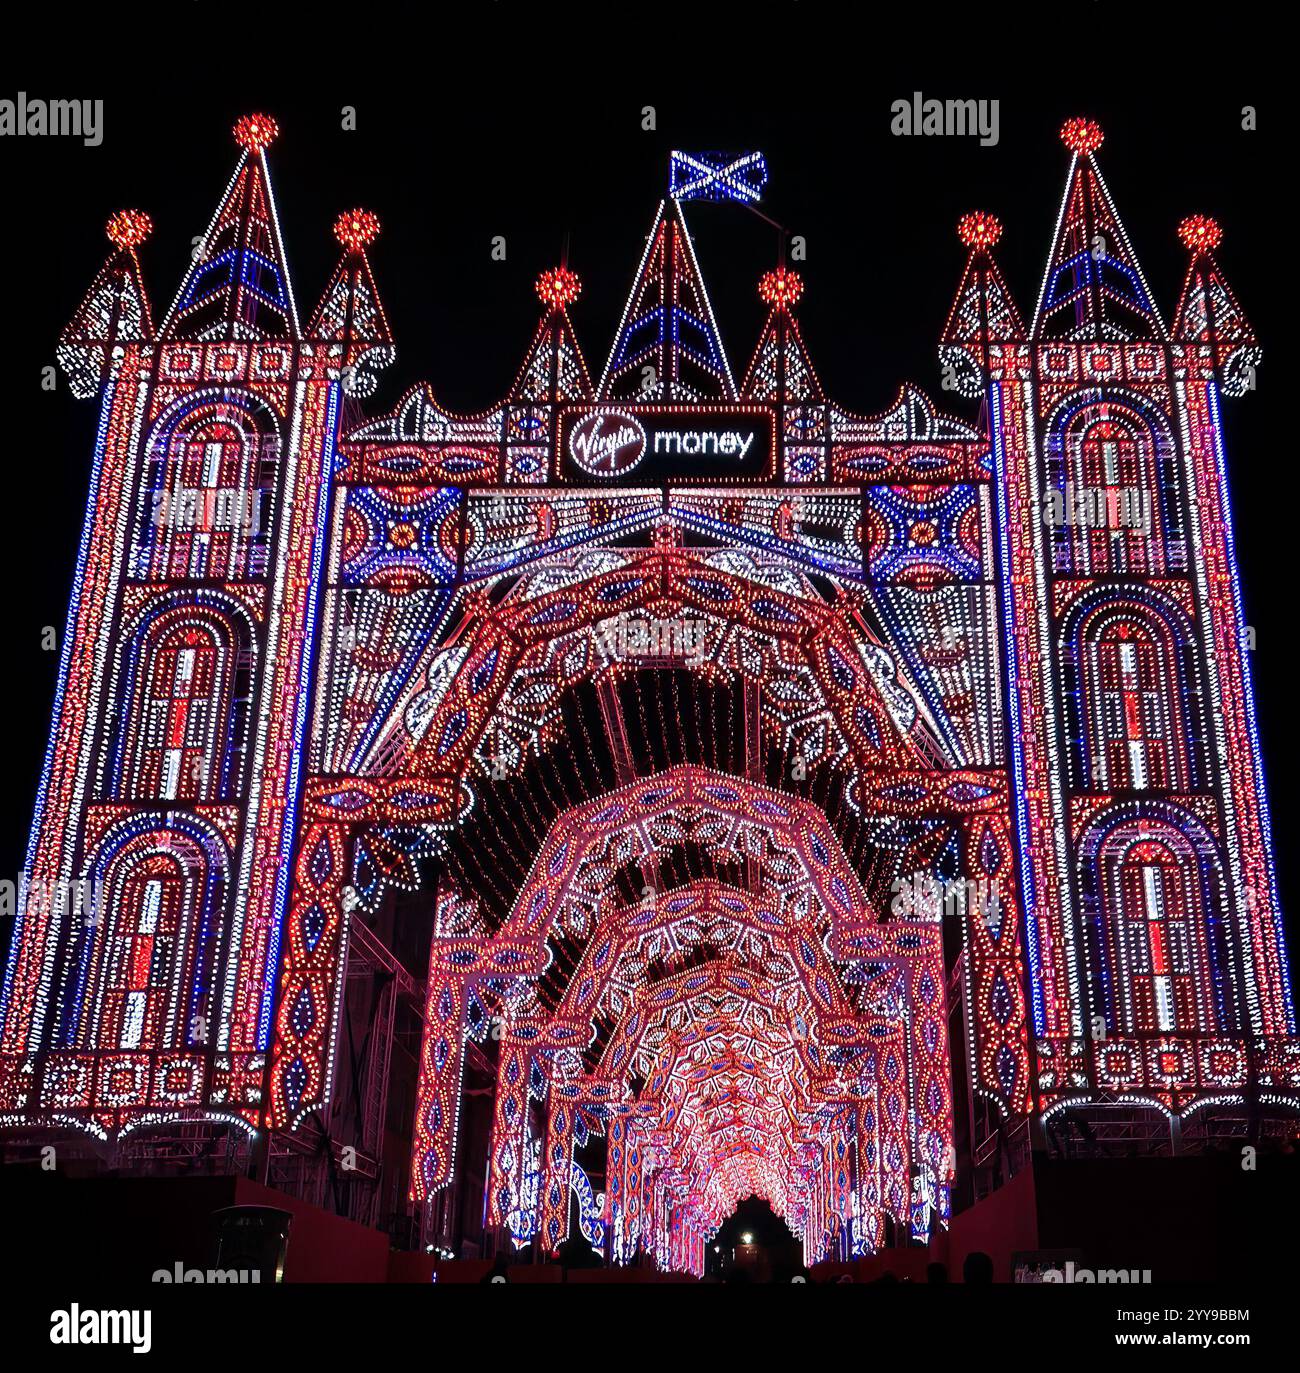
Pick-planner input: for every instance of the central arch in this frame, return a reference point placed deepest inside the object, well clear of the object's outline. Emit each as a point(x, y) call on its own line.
point(552, 620)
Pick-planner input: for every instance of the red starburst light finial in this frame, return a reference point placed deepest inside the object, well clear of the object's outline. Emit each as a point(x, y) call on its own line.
point(781, 288)
point(255, 131)
point(356, 229)
point(1082, 136)
point(979, 229)
point(1200, 233)
point(558, 287)
point(128, 228)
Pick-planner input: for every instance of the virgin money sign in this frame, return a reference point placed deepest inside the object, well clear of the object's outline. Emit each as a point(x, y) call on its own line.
point(659, 443)
point(607, 443)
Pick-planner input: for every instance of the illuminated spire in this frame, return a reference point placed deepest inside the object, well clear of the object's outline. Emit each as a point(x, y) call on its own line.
point(238, 284)
point(350, 315)
point(1093, 288)
point(114, 311)
point(668, 347)
point(558, 288)
point(983, 312)
point(554, 368)
point(781, 369)
point(780, 289)
point(1208, 312)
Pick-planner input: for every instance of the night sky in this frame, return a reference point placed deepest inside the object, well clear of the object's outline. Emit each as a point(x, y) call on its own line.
point(531, 130)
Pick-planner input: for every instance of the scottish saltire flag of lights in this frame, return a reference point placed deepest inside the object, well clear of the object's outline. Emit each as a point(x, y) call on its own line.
point(717, 176)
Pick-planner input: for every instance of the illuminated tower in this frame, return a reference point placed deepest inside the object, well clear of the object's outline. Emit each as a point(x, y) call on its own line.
point(167, 798)
point(1157, 973)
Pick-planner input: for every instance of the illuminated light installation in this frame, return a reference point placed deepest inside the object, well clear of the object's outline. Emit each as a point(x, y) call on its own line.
point(349, 328)
point(668, 346)
point(256, 132)
point(979, 230)
point(735, 1030)
point(129, 228)
point(717, 176)
point(1082, 136)
point(114, 312)
point(558, 287)
point(357, 229)
point(781, 288)
point(198, 565)
point(1200, 233)
point(767, 681)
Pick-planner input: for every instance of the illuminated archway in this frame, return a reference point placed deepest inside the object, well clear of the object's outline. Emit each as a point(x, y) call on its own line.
point(810, 1008)
point(749, 624)
point(420, 770)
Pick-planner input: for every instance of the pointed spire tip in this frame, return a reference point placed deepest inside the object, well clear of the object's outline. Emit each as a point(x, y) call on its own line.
point(253, 132)
point(128, 228)
point(356, 229)
point(558, 287)
point(1200, 233)
point(1082, 136)
point(979, 230)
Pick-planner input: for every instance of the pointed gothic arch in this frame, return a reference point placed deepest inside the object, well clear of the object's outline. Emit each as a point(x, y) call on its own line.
point(668, 584)
point(896, 770)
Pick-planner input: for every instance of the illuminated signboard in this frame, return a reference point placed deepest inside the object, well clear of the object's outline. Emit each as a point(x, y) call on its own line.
point(658, 442)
